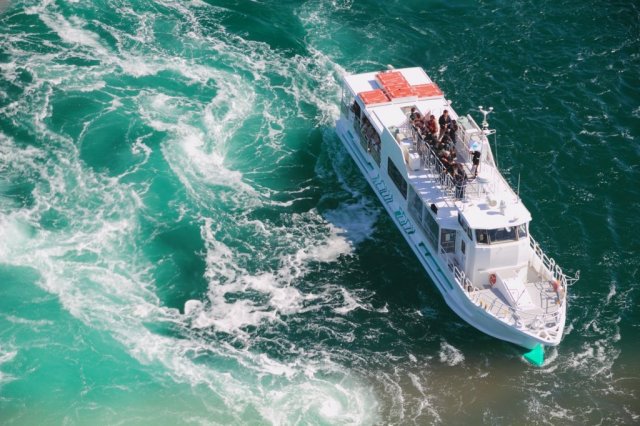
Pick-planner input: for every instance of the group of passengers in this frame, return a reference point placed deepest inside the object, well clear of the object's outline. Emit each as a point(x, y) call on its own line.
point(432, 131)
point(440, 138)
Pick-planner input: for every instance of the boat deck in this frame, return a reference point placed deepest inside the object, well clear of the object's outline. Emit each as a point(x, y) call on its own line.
point(541, 292)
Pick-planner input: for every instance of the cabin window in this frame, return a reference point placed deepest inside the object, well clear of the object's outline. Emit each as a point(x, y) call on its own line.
point(423, 217)
point(415, 204)
point(464, 226)
point(355, 107)
point(522, 231)
point(463, 247)
point(502, 234)
point(397, 178)
point(495, 236)
point(430, 227)
point(448, 240)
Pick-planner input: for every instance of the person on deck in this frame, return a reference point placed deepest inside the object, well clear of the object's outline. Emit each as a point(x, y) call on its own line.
point(446, 140)
point(418, 126)
point(453, 128)
point(432, 125)
point(445, 122)
point(476, 162)
point(460, 180)
point(414, 114)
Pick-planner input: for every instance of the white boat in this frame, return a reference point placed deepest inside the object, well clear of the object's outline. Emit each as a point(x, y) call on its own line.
point(470, 234)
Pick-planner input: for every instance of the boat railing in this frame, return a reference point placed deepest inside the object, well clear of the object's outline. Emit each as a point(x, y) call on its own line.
point(473, 187)
point(544, 325)
point(472, 133)
point(558, 278)
point(432, 163)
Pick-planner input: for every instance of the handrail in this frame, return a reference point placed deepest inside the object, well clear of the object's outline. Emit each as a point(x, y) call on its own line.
point(432, 163)
point(551, 266)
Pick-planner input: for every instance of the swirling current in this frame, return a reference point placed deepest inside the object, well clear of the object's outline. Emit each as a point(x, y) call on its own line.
point(183, 239)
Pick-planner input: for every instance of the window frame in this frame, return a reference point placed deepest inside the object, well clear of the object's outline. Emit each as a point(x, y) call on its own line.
point(448, 246)
point(491, 235)
point(396, 177)
point(465, 227)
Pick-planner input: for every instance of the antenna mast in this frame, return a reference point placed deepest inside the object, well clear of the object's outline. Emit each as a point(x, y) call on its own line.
point(486, 130)
point(485, 123)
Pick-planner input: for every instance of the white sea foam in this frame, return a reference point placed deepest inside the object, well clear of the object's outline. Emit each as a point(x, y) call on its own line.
point(94, 265)
point(71, 31)
point(328, 251)
point(450, 355)
point(7, 354)
point(197, 155)
point(13, 234)
point(551, 356)
point(612, 292)
point(35, 323)
point(227, 277)
point(424, 400)
point(120, 303)
point(356, 221)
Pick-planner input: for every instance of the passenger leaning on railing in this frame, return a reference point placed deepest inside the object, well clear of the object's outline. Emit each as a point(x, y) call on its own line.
point(447, 142)
point(447, 162)
point(460, 180)
point(453, 128)
point(418, 124)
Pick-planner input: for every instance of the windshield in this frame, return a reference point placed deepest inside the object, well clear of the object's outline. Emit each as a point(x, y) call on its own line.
point(500, 235)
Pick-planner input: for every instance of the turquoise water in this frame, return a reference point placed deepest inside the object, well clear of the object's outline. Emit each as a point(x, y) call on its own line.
point(183, 240)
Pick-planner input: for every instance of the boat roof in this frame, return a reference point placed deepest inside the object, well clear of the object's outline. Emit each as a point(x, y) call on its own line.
point(387, 96)
point(386, 112)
